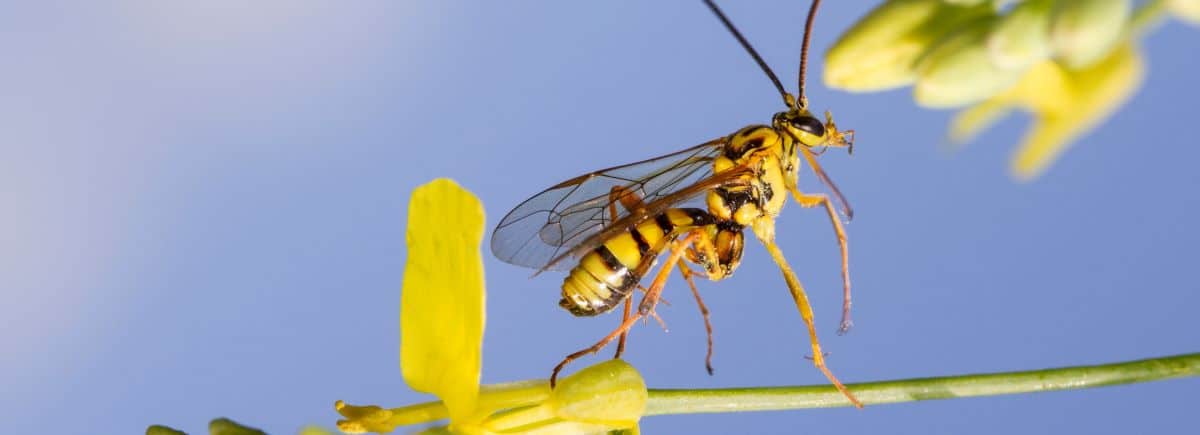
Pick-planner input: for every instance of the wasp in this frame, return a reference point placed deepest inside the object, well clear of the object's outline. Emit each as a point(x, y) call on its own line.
point(607, 228)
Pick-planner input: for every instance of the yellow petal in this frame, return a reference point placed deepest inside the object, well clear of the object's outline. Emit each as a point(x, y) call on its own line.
point(1095, 93)
point(969, 122)
point(442, 303)
point(1043, 89)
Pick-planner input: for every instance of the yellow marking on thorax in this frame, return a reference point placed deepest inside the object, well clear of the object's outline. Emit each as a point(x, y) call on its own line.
point(764, 149)
point(746, 214)
point(717, 206)
point(773, 178)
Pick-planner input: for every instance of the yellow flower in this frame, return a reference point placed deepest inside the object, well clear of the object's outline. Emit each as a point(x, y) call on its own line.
point(1065, 103)
point(441, 329)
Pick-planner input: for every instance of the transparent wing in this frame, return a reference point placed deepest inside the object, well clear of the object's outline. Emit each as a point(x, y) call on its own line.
point(541, 230)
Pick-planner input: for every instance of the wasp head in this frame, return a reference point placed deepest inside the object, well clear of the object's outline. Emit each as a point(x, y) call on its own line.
point(805, 128)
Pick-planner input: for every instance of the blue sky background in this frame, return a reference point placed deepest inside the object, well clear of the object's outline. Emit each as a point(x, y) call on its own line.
point(204, 209)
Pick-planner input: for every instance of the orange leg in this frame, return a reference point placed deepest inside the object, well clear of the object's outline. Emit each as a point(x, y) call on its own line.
point(627, 198)
point(814, 200)
point(631, 201)
point(806, 200)
point(806, 313)
point(624, 318)
point(646, 308)
point(628, 323)
point(687, 276)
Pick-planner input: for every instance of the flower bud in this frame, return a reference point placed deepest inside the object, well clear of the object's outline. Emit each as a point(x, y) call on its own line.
point(880, 50)
point(1022, 37)
point(1084, 31)
point(163, 430)
point(959, 70)
point(363, 419)
point(225, 426)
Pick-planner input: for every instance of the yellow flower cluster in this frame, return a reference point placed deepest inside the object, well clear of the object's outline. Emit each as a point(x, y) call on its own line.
point(441, 330)
point(1070, 63)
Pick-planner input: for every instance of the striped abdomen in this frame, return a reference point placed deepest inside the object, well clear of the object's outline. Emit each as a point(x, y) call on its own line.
point(608, 274)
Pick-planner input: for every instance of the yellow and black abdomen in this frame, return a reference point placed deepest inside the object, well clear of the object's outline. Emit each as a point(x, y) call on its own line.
point(607, 274)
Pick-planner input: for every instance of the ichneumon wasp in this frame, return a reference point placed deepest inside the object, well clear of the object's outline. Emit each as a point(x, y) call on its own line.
point(609, 227)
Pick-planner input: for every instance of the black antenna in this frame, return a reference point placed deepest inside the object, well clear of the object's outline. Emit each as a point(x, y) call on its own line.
point(808, 24)
point(787, 98)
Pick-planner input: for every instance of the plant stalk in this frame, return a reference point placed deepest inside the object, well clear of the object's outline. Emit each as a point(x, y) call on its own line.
point(695, 401)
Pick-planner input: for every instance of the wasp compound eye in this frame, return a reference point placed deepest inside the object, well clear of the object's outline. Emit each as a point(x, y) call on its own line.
point(810, 125)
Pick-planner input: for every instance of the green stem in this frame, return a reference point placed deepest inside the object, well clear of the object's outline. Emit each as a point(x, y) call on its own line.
point(698, 401)
point(691, 401)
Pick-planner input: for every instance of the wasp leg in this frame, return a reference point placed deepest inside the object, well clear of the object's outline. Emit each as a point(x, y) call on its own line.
point(628, 199)
point(661, 300)
point(813, 200)
point(645, 308)
point(806, 313)
point(621, 330)
point(631, 201)
point(624, 318)
point(687, 276)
